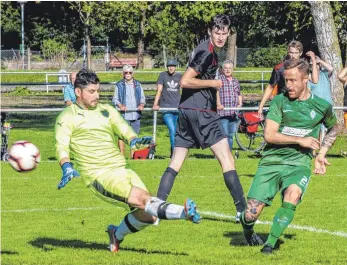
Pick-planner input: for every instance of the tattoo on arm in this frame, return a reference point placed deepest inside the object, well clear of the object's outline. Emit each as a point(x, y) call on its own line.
point(330, 137)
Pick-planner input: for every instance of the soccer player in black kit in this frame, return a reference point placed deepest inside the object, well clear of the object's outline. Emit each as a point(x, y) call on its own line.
point(198, 122)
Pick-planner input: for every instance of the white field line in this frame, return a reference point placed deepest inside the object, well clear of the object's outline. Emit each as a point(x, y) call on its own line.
point(212, 214)
point(297, 227)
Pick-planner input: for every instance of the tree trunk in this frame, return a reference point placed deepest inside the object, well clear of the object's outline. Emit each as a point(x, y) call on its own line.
point(89, 52)
point(329, 48)
point(141, 45)
point(164, 56)
point(231, 54)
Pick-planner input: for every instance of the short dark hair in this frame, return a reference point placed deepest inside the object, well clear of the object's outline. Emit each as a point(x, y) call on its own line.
point(85, 77)
point(301, 64)
point(219, 22)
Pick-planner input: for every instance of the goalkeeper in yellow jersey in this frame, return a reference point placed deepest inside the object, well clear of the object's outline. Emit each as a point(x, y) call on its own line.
point(89, 131)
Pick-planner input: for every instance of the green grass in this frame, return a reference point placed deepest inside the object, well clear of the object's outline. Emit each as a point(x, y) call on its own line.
point(41, 225)
point(115, 76)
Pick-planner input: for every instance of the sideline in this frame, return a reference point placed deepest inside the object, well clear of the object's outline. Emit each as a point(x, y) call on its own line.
point(203, 213)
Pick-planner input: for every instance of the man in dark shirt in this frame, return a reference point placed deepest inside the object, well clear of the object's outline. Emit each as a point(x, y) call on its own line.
point(168, 96)
point(198, 121)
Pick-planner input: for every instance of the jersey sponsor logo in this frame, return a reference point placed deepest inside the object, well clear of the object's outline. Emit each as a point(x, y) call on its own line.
point(81, 113)
point(313, 114)
point(172, 86)
point(295, 131)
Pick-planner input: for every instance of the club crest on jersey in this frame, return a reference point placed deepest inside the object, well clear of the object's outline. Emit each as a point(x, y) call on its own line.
point(313, 114)
point(105, 113)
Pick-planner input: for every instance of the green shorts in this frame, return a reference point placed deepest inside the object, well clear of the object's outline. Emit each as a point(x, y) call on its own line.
point(115, 186)
point(270, 179)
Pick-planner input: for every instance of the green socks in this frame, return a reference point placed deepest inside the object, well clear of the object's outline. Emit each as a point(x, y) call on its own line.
point(283, 217)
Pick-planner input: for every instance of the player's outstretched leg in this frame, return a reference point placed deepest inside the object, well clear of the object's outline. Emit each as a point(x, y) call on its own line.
point(132, 223)
point(251, 237)
point(165, 210)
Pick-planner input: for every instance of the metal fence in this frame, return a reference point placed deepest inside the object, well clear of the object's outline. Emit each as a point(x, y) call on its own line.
point(242, 55)
point(76, 59)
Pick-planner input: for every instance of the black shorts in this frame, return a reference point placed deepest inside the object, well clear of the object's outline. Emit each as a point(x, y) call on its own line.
point(198, 129)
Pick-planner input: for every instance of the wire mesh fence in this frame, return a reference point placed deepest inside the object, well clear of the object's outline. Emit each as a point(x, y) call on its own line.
point(76, 59)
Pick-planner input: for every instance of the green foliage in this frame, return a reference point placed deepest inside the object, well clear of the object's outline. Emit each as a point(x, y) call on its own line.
point(20, 91)
point(267, 57)
point(10, 17)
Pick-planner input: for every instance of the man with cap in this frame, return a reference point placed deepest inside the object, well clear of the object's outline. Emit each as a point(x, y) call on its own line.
point(168, 96)
point(129, 95)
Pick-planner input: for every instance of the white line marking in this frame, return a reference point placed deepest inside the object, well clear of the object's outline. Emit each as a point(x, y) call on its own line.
point(297, 227)
point(56, 210)
point(214, 214)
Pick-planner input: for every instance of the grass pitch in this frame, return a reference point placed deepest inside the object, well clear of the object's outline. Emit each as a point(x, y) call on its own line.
point(41, 225)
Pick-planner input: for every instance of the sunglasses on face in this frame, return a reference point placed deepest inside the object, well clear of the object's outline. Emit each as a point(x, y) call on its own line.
point(128, 73)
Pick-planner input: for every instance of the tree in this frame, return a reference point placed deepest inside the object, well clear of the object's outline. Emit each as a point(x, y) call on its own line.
point(328, 45)
point(92, 15)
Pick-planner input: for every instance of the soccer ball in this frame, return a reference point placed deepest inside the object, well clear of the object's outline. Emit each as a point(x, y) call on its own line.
point(24, 156)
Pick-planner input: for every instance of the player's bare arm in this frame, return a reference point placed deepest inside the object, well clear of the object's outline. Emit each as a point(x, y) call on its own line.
point(273, 136)
point(189, 80)
point(328, 140)
point(321, 162)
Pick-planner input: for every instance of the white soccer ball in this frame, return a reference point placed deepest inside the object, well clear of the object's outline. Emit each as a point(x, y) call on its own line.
point(24, 156)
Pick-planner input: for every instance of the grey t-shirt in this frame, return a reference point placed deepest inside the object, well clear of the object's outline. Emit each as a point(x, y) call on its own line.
point(170, 96)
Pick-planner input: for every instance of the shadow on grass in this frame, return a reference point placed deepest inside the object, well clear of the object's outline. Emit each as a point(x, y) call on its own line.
point(202, 156)
point(237, 239)
point(247, 175)
point(48, 244)
point(7, 252)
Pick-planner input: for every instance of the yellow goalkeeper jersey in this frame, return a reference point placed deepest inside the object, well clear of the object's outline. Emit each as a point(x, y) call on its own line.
point(91, 137)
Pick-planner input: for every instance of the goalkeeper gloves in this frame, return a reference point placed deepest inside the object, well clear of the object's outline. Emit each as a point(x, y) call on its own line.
point(68, 174)
point(141, 143)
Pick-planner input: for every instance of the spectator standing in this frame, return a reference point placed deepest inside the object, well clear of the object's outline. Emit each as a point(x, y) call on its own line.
point(168, 96)
point(129, 95)
point(277, 84)
point(229, 96)
point(69, 91)
point(322, 88)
